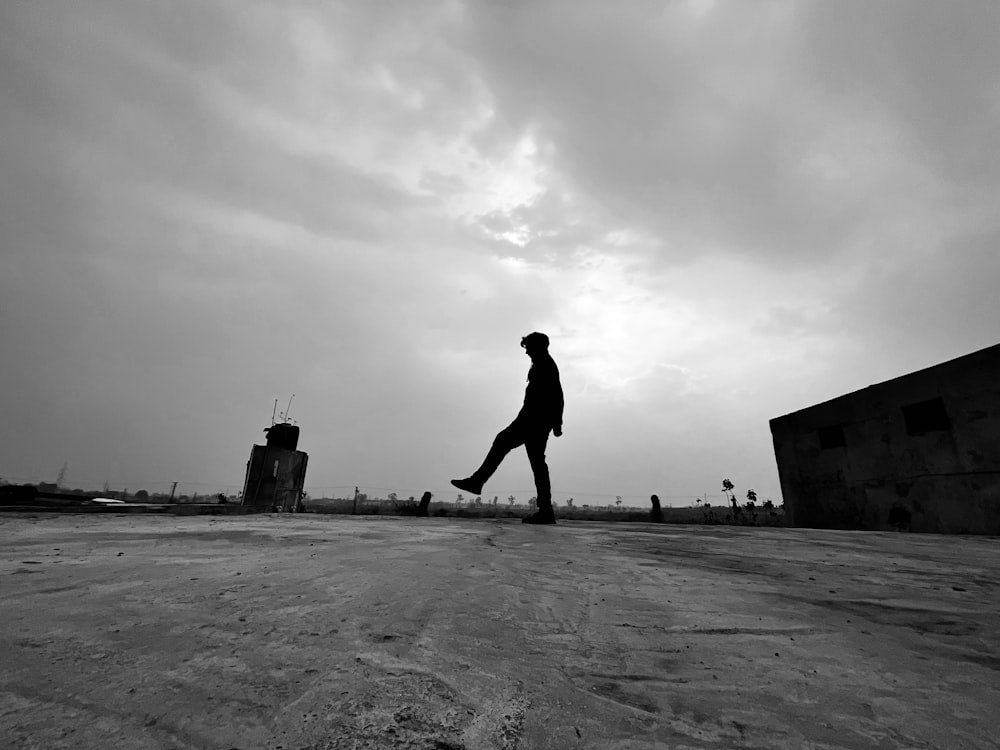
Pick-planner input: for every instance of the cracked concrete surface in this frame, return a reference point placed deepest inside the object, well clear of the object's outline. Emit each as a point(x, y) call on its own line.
point(321, 632)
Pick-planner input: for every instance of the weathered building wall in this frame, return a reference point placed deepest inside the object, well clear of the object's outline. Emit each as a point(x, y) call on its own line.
point(920, 452)
point(275, 478)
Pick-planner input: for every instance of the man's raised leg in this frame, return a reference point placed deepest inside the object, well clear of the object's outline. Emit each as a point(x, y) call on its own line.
point(506, 440)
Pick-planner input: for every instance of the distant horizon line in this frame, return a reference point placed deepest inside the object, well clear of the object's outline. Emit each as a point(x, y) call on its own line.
point(448, 495)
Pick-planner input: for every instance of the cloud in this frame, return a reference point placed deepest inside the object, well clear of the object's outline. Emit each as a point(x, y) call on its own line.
point(718, 212)
point(762, 131)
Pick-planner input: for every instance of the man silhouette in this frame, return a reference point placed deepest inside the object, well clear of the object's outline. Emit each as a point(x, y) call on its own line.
point(542, 412)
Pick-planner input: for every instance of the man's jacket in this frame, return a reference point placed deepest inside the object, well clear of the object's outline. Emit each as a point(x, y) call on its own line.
point(543, 398)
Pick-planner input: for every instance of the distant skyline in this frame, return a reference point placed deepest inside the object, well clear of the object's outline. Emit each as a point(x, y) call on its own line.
point(718, 212)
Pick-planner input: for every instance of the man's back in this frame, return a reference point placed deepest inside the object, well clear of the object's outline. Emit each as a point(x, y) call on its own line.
point(543, 398)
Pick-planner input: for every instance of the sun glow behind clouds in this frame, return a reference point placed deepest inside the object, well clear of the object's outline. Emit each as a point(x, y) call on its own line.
point(612, 330)
point(490, 184)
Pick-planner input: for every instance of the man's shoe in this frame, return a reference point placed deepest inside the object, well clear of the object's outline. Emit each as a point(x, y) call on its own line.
point(541, 517)
point(469, 485)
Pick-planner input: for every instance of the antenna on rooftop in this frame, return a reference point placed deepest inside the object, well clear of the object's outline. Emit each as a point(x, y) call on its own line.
point(274, 411)
point(285, 415)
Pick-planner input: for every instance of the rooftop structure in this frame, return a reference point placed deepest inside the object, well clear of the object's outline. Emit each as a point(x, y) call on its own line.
point(920, 452)
point(276, 472)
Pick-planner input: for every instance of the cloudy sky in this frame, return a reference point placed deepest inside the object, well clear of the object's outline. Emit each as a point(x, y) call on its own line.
point(720, 212)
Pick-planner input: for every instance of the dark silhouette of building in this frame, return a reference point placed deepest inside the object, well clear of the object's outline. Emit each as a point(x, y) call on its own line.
point(541, 413)
point(276, 472)
point(920, 452)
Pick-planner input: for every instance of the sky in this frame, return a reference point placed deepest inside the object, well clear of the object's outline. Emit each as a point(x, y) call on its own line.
point(719, 212)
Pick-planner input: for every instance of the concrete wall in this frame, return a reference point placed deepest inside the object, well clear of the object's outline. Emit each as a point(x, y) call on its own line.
point(275, 478)
point(920, 452)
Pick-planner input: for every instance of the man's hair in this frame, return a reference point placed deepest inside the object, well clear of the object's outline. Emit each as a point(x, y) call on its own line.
point(535, 339)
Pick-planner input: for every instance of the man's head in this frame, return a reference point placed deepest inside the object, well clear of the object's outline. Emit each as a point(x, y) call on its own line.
point(535, 343)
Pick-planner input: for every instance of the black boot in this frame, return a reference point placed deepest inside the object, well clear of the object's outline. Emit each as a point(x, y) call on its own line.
point(470, 485)
point(545, 515)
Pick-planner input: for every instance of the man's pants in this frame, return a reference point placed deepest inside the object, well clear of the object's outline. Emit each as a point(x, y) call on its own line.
point(534, 440)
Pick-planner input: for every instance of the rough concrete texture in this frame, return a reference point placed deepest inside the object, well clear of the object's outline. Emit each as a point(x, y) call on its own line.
point(309, 632)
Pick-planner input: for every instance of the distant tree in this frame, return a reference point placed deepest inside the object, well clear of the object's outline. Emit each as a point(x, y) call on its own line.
point(142, 495)
point(569, 503)
point(511, 500)
point(618, 501)
point(393, 497)
point(459, 500)
point(728, 490)
point(751, 507)
point(532, 502)
point(707, 513)
point(768, 505)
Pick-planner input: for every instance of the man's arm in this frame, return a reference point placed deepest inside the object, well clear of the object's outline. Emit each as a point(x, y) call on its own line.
point(558, 402)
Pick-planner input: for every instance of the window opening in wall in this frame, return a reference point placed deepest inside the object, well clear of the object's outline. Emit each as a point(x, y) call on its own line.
point(831, 437)
point(926, 416)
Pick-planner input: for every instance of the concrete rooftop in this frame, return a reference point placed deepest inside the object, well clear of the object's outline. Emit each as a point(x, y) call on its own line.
point(320, 632)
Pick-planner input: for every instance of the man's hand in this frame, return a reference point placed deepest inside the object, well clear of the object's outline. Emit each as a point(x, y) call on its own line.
point(557, 431)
